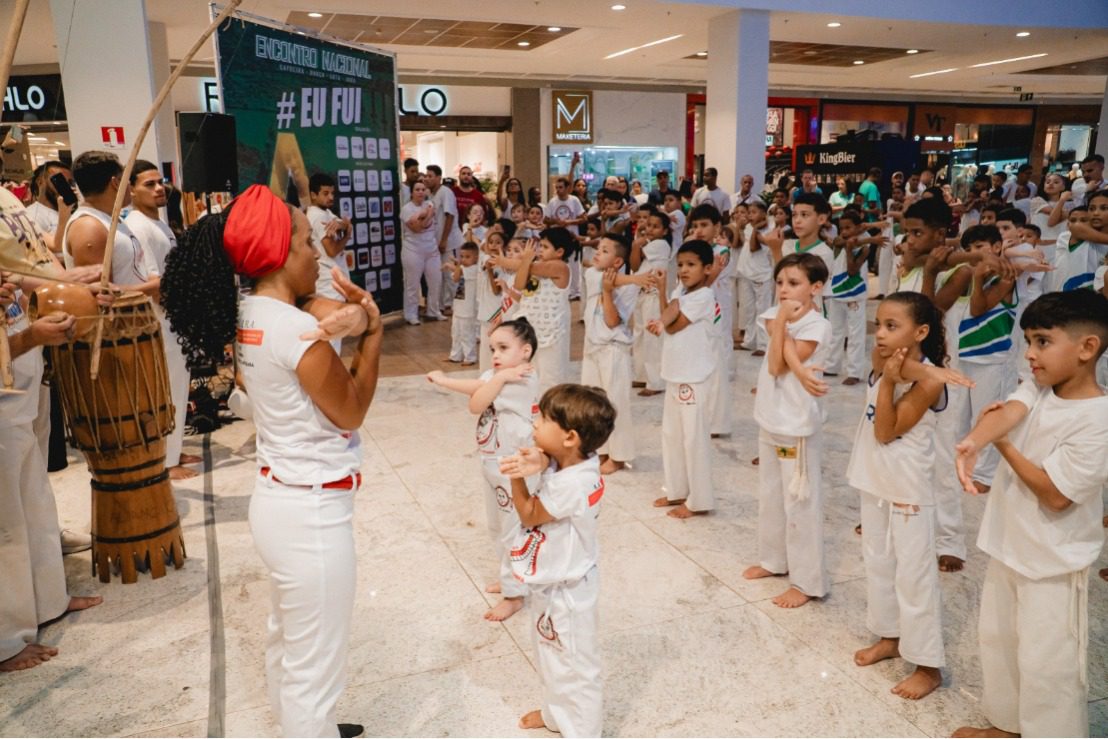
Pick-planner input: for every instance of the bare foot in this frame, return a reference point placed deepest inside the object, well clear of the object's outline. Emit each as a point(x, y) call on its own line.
point(858, 529)
point(919, 684)
point(493, 587)
point(638, 384)
point(982, 488)
point(532, 720)
point(189, 459)
point(755, 461)
point(757, 572)
point(1104, 574)
point(181, 473)
point(647, 393)
point(881, 650)
point(968, 731)
point(1104, 522)
point(80, 603)
point(611, 466)
point(504, 610)
point(32, 655)
point(664, 502)
point(682, 511)
point(791, 598)
point(950, 563)
point(468, 364)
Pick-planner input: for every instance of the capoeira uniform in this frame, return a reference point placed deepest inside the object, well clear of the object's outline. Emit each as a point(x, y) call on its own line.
point(157, 241)
point(719, 384)
point(821, 250)
point(301, 518)
point(1076, 262)
point(755, 271)
point(1034, 624)
point(567, 210)
point(886, 259)
point(32, 576)
point(911, 281)
point(557, 562)
point(504, 427)
point(646, 351)
point(688, 360)
point(898, 532)
point(790, 442)
point(546, 307)
point(606, 361)
point(985, 356)
point(489, 312)
point(1029, 286)
point(951, 427)
point(847, 311)
point(463, 324)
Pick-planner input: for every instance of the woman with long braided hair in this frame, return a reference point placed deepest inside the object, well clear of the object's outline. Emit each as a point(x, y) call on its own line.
point(307, 409)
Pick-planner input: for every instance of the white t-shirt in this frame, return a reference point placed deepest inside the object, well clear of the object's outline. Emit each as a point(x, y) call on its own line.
point(716, 197)
point(565, 210)
point(488, 302)
point(156, 237)
point(1076, 263)
point(688, 355)
point(900, 471)
point(295, 439)
point(782, 405)
point(677, 229)
point(465, 297)
point(547, 308)
point(565, 549)
point(15, 408)
point(756, 266)
point(911, 281)
point(420, 241)
point(319, 219)
point(45, 218)
point(506, 425)
point(821, 250)
point(1068, 439)
point(597, 331)
point(445, 203)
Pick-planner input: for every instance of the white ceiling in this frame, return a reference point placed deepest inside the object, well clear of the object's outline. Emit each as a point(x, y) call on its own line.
point(580, 55)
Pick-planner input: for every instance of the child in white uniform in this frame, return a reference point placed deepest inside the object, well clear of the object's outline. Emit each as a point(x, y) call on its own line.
point(489, 289)
point(555, 554)
point(606, 361)
point(847, 307)
point(809, 216)
point(890, 466)
point(688, 361)
point(756, 286)
point(1077, 257)
point(704, 225)
point(1042, 525)
point(543, 280)
point(790, 417)
point(464, 325)
point(649, 253)
point(504, 398)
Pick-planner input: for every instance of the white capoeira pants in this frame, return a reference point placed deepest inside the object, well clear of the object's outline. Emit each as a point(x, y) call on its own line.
point(32, 576)
point(646, 348)
point(552, 363)
point(848, 321)
point(886, 270)
point(503, 523)
point(484, 349)
point(755, 298)
point(449, 286)
point(426, 263)
point(463, 338)
point(576, 284)
point(993, 383)
point(305, 537)
point(790, 525)
point(179, 391)
point(686, 446)
point(41, 424)
point(608, 366)
point(1034, 637)
point(567, 648)
point(950, 428)
point(902, 582)
point(719, 386)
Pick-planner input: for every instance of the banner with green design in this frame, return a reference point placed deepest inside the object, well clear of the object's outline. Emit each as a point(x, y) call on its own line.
point(304, 105)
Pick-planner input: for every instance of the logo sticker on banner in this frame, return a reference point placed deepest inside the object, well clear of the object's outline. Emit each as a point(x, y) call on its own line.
point(302, 106)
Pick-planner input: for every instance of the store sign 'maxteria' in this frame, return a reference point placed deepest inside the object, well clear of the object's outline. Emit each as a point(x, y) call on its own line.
point(572, 116)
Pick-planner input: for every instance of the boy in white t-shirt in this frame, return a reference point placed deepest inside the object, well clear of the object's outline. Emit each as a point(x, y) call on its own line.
point(1042, 525)
point(464, 324)
point(705, 225)
point(809, 217)
point(688, 361)
point(555, 554)
point(790, 416)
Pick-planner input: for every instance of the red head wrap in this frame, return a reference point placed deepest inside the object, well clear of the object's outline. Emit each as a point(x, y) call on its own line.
point(258, 232)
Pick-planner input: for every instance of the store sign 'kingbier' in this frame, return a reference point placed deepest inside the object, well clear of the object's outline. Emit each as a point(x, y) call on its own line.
point(572, 116)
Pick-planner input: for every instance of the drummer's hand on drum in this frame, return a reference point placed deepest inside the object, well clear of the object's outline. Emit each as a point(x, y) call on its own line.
point(53, 329)
point(355, 294)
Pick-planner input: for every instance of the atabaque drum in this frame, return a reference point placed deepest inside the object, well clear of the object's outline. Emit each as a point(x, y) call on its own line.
point(120, 419)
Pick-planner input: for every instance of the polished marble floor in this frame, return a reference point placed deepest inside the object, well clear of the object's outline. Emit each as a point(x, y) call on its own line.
point(689, 647)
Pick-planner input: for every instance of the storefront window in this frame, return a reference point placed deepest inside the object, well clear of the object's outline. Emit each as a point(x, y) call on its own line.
point(640, 163)
point(1066, 145)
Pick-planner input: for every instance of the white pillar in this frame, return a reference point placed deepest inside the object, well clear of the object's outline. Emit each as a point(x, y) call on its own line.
point(104, 57)
point(738, 90)
point(166, 125)
point(1102, 131)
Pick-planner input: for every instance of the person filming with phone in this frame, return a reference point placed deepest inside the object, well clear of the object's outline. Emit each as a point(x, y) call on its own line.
point(330, 234)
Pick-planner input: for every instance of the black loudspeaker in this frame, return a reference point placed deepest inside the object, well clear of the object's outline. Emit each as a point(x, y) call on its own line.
point(209, 161)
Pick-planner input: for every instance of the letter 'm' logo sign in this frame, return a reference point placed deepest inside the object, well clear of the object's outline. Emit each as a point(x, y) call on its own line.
point(572, 116)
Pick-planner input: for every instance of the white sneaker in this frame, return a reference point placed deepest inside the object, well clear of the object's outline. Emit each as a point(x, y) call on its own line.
point(74, 541)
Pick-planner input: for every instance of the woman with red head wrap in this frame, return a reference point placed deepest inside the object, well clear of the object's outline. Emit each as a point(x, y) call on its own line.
point(307, 409)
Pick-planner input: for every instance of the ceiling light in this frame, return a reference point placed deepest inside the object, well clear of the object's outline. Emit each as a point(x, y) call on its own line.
point(1023, 34)
point(619, 7)
point(554, 29)
point(912, 51)
point(834, 24)
point(859, 61)
point(523, 43)
point(61, 143)
point(702, 53)
point(928, 74)
point(643, 46)
point(1005, 61)
point(315, 15)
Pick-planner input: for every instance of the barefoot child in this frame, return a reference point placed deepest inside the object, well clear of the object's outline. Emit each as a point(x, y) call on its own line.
point(463, 320)
point(1042, 523)
point(891, 466)
point(543, 281)
point(650, 252)
point(555, 554)
point(504, 399)
point(790, 417)
point(606, 361)
point(688, 360)
point(704, 224)
point(847, 307)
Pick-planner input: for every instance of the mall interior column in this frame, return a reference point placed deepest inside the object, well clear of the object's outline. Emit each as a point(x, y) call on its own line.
point(738, 89)
point(166, 130)
point(527, 144)
point(1102, 131)
point(106, 73)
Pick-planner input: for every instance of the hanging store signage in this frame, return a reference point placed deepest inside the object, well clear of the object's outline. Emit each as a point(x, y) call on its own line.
point(32, 98)
point(429, 101)
point(572, 116)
